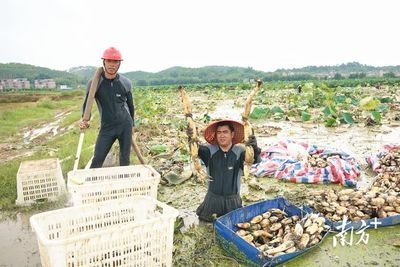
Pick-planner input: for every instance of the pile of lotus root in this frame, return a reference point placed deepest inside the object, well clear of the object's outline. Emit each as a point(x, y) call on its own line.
point(318, 160)
point(274, 233)
point(390, 161)
point(381, 200)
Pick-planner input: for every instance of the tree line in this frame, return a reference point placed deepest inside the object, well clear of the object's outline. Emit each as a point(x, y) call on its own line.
point(79, 76)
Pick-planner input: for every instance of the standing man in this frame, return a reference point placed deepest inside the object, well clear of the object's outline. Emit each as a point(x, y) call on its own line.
point(115, 103)
point(299, 89)
point(224, 161)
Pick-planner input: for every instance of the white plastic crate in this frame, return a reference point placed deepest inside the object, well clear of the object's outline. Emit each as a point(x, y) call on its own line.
point(135, 231)
point(102, 184)
point(39, 179)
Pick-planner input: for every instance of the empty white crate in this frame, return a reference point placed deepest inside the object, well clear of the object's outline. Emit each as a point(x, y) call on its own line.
point(102, 184)
point(39, 179)
point(135, 231)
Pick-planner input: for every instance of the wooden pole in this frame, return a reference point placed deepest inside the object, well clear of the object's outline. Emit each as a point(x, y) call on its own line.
point(137, 150)
point(87, 111)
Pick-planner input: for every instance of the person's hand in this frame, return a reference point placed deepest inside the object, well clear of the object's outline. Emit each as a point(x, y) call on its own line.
point(84, 124)
point(251, 141)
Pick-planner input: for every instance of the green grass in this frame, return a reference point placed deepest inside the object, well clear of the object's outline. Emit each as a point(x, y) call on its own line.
point(73, 117)
point(21, 115)
point(24, 115)
point(63, 146)
point(8, 184)
point(13, 120)
point(80, 93)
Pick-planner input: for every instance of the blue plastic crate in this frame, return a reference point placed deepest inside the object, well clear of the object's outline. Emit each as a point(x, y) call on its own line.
point(235, 246)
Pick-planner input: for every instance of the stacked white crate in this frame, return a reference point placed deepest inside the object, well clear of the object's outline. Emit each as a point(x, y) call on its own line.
point(135, 231)
point(116, 221)
point(101, 184)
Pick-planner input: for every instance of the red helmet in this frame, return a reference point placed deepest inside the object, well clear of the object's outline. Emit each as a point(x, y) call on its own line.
point(112, 53)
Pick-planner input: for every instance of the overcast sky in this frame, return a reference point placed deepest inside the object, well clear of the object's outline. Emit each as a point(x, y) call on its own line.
point(157, 34)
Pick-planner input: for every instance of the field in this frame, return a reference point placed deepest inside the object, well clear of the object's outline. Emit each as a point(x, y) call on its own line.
point(359, 120)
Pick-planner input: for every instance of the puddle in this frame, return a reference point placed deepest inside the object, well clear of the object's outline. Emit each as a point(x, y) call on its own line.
point(22, 147)
point(17, 234)
point(227, 110)
point(50, 128)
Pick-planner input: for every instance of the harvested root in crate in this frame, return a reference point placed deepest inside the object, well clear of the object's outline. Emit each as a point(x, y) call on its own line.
point(275, 233)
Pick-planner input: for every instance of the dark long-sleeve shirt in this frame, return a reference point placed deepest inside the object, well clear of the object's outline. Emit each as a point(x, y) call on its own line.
point(114, 100)
point(224, 168)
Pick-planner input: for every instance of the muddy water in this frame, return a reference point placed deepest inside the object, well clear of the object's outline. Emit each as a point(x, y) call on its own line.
point(18, 244)
point(20, 146)
point(227, 110)
point(49, 128)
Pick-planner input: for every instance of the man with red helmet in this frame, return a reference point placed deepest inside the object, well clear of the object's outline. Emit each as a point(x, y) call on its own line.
point(115, 103)
point(224, 161)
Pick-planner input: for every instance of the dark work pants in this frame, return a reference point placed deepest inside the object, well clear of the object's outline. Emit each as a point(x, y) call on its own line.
point(218, 205)
point(105, 140)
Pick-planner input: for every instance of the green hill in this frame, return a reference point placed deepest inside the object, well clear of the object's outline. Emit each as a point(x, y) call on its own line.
point(224, 74)
point(343, 69)
point(83, 71)
point(209, 74)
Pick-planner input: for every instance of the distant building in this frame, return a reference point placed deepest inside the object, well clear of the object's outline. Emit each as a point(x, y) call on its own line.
point(18, 83)
point(64, 87)
point(248, 80)
point(45, 84)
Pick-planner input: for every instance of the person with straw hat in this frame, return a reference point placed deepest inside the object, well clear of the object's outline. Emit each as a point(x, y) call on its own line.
point(223, 158)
